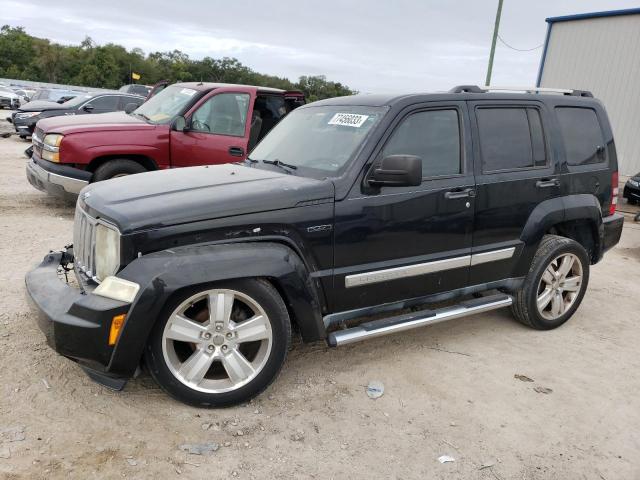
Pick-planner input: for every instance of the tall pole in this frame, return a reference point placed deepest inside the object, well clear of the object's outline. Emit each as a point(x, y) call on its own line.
point(493, 43)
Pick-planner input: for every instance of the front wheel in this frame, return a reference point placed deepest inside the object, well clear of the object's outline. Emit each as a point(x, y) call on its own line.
point(220, 345)
point(120, 167)
point(555, 285)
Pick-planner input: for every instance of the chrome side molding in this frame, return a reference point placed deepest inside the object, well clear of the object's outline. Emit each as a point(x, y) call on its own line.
point(376, 276)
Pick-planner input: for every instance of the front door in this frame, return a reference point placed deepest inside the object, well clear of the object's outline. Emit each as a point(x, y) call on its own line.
point(217, 130)
point(406, 242)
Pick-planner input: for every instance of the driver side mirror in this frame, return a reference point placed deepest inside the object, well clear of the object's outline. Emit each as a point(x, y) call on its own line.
point(397, 171)
point(180, 124)
point(130, 107)
point(88, 108)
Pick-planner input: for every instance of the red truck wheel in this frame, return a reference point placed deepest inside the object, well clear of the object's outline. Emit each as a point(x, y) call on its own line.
point(117, 168)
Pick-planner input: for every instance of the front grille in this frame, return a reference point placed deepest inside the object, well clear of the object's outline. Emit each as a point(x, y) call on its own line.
point(84, 233)
point(36, 139)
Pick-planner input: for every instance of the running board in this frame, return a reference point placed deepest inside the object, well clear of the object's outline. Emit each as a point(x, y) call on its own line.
point(408, 321)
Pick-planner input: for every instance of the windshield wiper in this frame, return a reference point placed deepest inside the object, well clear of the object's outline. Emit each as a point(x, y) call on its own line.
point(141, 115)
point(280, 164)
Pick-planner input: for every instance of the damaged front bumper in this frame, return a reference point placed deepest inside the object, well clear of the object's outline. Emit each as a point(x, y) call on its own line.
point(76, 323)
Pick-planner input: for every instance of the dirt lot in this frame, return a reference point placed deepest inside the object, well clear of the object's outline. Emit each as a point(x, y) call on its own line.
point(449, 390)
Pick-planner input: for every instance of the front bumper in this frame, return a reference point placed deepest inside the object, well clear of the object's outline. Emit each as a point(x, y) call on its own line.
point(9, 102)
point(612, 230)
point(631, 192)
point(59, 180)
point(75, 322)
point(25, 126)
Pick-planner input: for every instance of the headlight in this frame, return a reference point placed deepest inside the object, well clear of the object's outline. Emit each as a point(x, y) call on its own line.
point(51, 147)
point(53, 139)
point(634, 183)
point(107, 251)
point(27, 114)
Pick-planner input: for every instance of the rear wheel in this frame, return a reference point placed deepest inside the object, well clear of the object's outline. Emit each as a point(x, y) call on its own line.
point(117, 168)
point(220, 345)
point(555, 284)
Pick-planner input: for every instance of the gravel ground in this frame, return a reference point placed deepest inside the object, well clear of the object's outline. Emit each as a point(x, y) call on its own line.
point(450, 389)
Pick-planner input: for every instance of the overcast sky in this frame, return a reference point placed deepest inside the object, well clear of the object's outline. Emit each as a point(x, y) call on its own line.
point(372, 46)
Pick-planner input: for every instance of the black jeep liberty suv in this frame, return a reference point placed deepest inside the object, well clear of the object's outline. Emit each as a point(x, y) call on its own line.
point(351, 207)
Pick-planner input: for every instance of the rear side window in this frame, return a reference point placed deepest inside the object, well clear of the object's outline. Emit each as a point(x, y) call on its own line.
point(581, 134)
point(511, 138)
point(434, 136)
point(108, 102)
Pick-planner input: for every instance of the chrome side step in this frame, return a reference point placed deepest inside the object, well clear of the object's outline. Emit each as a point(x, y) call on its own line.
point(408, 321)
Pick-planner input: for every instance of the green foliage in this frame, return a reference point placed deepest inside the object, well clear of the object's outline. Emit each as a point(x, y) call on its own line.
point(25, 57)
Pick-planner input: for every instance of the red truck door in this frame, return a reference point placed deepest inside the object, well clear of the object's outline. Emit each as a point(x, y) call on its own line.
point(217, 129)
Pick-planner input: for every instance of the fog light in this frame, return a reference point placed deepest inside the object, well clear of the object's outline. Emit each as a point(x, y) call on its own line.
point(117, 289)
point(116, 325)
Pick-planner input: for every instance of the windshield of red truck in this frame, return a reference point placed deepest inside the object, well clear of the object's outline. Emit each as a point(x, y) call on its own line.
point(167, 104)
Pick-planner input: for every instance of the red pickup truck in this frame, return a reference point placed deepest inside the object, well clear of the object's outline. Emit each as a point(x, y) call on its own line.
point(184, 125)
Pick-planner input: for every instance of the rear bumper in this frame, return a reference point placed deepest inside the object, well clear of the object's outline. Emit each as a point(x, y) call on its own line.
point(75, 323)
point(59, 180)
point(612, 230)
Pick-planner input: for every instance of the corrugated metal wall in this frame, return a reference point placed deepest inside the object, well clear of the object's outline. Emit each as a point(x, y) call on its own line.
point(602, 55)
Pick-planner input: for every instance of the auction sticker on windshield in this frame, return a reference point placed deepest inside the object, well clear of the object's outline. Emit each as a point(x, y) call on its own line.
point(348, 119)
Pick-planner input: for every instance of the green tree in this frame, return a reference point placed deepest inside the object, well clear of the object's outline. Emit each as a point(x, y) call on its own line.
point(109, 66)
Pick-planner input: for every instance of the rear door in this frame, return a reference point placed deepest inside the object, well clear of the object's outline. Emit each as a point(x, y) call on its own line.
point(405, 242)
point(515, 172)
point(217, 129)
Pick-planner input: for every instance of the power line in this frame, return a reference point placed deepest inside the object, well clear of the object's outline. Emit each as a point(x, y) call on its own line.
point(518, 49)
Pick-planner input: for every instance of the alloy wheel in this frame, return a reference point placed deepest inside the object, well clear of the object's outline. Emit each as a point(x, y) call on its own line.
point(216, 341)
point(559, 286)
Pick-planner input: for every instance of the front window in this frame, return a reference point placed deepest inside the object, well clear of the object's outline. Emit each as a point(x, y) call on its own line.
point(223, 114)
point(163, 107)
point(319, 140)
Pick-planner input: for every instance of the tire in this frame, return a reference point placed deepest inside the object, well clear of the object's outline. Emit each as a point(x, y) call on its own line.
point(117, 168)
point(553, 250)
point(195, 369)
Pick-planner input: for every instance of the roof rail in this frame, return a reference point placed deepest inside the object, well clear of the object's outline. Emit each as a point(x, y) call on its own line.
point(489, 88)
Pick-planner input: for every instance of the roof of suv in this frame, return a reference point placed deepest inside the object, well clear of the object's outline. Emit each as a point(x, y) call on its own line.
point(465, 92)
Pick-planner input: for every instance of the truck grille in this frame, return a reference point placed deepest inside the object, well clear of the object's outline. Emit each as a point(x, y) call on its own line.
point(36, 139)
point(84, 232)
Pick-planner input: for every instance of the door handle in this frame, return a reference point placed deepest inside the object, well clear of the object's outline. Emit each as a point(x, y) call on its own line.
point(236, 151)
point(460, 193)
point(548, 182)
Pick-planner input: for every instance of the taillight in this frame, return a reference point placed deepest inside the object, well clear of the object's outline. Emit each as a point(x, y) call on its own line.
point(615, 190)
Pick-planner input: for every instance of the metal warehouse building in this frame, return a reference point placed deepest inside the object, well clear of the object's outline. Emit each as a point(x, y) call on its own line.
point(600, 52)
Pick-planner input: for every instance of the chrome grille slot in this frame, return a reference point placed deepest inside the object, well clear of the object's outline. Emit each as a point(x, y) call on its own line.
point(84, 231)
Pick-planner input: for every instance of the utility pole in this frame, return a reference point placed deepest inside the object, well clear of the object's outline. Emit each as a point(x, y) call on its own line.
point(493, 43)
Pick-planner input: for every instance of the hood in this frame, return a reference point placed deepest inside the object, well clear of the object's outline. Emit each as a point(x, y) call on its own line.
point(42, 105)
point(8, 95)
point(113, 121)
point(169, 197)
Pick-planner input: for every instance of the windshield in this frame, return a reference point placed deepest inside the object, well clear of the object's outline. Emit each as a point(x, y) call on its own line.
point(167, 104)
point(320, 139)
point(74, 102)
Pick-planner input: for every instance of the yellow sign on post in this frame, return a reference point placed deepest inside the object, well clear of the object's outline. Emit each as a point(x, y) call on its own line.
point(135, 76)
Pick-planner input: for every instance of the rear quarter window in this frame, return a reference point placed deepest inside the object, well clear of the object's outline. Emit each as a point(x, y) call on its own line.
point(581, 135)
